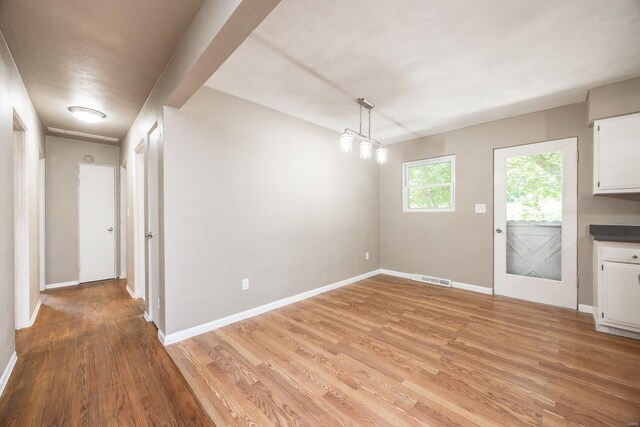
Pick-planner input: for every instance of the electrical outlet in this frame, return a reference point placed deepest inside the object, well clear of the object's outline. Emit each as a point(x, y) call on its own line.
point(481, 208)
point(366, 256)
point(245, 284)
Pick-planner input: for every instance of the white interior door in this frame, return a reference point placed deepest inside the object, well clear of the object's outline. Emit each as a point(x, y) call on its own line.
point(153, 251)
point(535, 208)
point(140, 226)
point(97, 222)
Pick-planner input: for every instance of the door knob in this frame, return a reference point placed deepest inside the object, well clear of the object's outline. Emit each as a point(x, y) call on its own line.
point(110, 229)
point(498, 230)
point(148, 235)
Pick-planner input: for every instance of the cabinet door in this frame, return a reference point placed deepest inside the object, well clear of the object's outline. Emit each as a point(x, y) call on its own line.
point(617, 156)
point(621, 294)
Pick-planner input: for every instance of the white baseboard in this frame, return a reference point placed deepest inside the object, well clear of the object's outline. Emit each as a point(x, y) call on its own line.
point(472, 288)
point(215, 324)
point(395, 273)
point(7, 372)
point(619, 332)
point(457, 285)
point(35, 314)
point(583, 308)
point(147, 317)
point(62, 284)
point(131, 294)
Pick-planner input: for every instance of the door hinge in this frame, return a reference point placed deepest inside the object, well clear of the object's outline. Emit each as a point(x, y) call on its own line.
point(578, 282)
point(598, 184)
point(603, 314)
point(602, 267)
point(598, 128)
point(577, 157)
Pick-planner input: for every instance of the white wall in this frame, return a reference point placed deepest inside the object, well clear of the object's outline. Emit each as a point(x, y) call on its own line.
point(217, 30)
point(254, 193)
point(13, 96)
point(440, 243)
point(63, 157)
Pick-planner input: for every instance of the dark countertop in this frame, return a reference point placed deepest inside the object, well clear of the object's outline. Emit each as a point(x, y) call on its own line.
point(615, 233)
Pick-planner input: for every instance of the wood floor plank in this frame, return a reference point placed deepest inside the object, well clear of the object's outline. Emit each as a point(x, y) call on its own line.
point(388, 351)
point(91, 360)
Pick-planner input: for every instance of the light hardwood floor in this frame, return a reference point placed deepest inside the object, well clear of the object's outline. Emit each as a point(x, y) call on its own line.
point(387, 351)
point(92, 360)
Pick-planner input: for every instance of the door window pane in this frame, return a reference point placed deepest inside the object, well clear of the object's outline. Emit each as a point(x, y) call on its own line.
point(534, 215)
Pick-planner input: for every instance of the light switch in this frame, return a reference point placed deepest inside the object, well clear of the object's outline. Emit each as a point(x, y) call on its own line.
point(481, 208)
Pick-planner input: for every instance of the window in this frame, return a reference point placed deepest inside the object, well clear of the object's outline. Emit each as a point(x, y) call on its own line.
point(428, 185)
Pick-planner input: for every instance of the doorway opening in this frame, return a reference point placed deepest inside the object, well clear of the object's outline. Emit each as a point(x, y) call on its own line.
point(42, 220)
point(146, 224)
point(21, 224)
point(124, 213)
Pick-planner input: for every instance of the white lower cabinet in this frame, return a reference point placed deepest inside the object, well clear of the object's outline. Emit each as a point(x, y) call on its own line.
point(617, 288)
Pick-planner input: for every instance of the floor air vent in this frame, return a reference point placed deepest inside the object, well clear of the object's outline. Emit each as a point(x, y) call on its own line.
point(431, 280)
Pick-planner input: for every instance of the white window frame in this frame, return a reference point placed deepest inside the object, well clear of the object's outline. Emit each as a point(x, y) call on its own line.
point(405, 174)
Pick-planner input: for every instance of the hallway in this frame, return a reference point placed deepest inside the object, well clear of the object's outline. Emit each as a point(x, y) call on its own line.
point(91, 359)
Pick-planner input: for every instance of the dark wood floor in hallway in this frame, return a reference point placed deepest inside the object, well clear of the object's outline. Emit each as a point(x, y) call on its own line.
point(91, 359)
point(388, 351)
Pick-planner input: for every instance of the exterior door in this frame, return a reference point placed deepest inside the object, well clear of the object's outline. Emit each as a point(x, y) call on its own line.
point(97, 246)
point(535, 223)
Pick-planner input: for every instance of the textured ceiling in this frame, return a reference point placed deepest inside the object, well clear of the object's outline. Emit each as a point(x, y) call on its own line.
point(431, 66)
point(105, 55)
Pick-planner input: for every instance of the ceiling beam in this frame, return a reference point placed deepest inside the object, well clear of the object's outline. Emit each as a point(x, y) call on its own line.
point(231, 33)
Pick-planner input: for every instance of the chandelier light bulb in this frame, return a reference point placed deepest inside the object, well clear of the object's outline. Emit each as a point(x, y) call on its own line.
point(365, 149)
point(346, 142)
point(381, 155)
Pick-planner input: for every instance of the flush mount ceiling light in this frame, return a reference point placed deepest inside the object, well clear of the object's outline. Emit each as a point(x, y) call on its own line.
point(366, 143)
point(88, 115)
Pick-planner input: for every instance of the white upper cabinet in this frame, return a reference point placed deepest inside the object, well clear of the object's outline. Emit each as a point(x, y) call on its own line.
point(616, 155)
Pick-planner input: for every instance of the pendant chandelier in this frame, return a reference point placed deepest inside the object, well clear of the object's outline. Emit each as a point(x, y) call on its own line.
point(366, 143)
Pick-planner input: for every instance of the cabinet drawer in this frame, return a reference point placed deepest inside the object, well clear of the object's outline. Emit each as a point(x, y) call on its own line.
point(626, 255)
point(621, 294)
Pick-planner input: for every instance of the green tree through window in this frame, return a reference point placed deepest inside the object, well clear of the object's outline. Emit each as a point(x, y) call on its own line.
point(534, 187)
point(429, 184)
